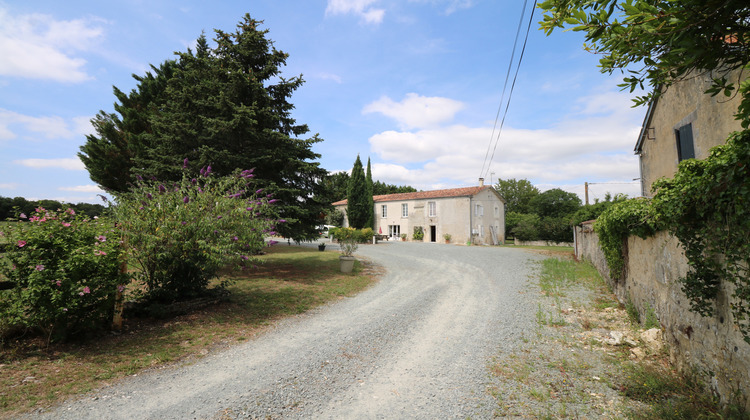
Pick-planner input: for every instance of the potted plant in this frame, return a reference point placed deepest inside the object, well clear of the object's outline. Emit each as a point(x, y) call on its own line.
point(347, 239)
point(321, 246)
point(447, 238)
point(403, 236)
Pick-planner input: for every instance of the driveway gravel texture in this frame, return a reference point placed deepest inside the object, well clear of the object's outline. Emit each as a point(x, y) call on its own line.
point(417, 344)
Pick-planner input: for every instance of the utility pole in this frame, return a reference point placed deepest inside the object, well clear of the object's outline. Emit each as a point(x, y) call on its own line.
point(586, 185)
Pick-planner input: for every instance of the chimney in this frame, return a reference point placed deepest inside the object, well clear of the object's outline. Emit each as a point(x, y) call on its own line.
point(481, 182)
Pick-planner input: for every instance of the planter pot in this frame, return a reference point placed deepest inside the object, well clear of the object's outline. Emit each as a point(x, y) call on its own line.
point(347, 264)
point(322, 247)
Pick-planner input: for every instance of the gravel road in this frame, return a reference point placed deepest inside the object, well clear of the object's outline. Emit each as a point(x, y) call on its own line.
point(415, 345)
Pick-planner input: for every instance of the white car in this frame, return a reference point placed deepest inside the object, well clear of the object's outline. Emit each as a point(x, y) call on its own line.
point(324, 230)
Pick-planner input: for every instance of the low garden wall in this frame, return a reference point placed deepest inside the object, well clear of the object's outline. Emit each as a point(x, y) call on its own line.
point(541, 243)
point(709, 345)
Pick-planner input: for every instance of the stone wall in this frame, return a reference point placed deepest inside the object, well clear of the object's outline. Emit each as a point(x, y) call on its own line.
point(541, 243)
point(710, 345)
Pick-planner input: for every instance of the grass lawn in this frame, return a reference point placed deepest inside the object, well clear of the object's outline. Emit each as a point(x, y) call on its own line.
point(290, 281)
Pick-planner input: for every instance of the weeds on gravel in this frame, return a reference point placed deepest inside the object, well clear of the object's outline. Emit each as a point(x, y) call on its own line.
point(672, 396)
point(290, 281)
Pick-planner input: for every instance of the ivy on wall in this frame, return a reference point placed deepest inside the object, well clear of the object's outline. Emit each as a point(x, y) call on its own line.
point(707, 207)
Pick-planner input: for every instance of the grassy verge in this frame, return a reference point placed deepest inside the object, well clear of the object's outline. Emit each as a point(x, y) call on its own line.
point(290, 281)
point(570, 368)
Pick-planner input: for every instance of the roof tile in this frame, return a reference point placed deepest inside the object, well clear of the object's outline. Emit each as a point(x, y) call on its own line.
point(424, 195)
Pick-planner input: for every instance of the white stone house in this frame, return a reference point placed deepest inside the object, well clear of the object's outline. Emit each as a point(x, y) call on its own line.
point(474, 214)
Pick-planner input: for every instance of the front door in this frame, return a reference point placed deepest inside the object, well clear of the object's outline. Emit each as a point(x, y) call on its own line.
point(394, 231)
point(433, 233)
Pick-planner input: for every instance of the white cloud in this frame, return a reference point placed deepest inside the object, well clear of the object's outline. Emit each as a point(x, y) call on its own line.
point(50, 127)
point(329, 76)
point(594, 143)
point(362, 8)
point(82, 126)
point(416, 111)
point(9, 186)
point(452, 5)
point(71, 164)
point(37, 46)
point(83, 188)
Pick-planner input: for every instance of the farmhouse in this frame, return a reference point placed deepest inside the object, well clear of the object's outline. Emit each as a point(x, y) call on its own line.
point(475, 214)
point(683, 123)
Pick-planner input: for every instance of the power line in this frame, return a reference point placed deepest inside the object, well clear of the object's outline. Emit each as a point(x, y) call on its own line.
point(505, 85)
point(513, 85)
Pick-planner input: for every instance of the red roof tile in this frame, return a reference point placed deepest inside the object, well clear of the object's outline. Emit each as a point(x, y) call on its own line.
point(424, 195)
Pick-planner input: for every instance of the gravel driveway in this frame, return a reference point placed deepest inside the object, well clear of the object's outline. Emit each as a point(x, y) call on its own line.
point(415, 345)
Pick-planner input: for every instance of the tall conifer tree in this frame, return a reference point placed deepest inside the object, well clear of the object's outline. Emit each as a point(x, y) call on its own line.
point(357, 201)
point(371, 206)
point(227, 107)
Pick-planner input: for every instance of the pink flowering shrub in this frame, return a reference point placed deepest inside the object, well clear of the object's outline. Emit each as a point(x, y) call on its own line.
point(180, 235)
point(65, 268)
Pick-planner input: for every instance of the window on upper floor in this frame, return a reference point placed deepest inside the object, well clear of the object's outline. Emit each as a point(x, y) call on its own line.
point(404, 210)
point(684, 138)
point(431, 209)
point(384, 211)
point(478, 210)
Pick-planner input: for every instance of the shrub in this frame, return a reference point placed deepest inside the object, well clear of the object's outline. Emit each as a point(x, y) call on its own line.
point(348, 239)
point(526, 227)
point(365, 235)
point(418, 234)
point(180, 236)
point(66, 270)
point(616, 223)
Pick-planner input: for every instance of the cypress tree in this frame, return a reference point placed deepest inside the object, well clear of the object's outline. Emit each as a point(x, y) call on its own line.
point(357, 204)
point(371, 203)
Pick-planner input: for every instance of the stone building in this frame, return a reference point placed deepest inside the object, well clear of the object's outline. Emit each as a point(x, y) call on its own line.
point(684, 122)
point(475, 214)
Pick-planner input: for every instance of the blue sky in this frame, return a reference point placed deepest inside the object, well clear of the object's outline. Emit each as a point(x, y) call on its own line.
point(413, 84)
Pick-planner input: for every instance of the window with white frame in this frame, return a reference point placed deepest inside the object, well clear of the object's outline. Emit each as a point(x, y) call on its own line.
point(384, 211)
point(431, 209)
point(478, 210)
point(404, 210)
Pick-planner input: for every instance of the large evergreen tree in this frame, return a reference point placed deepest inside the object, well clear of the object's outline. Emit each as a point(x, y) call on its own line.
point(227, 107)
point(369, 191)
point(357, 200)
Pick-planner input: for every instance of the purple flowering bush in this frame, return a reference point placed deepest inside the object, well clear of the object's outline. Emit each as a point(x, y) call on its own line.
point(180, 235)
point(65, 271)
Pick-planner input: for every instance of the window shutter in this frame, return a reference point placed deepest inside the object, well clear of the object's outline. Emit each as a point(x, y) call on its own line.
point(685, 149)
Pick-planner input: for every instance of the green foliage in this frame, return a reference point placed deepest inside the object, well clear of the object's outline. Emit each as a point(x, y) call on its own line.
point(615, 224)
point(418, 233)
point(524, 226)
point(592, 211)
point(335, 218)
point(555, 203)
point(381, 188)
point(12, 207)
point(517, 194)
point(65, 267)
point(357, 200)
point(556, 229)
point(660, 43)
point(181, 234)
point(335, 186)
point(226, 106)
point(707, 207)
point(347, 238)
point(369, 192)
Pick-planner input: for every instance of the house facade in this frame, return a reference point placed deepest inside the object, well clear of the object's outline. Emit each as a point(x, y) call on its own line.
point(683, 123)
point(475, 214)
